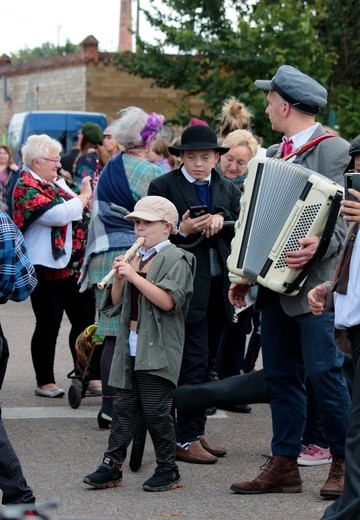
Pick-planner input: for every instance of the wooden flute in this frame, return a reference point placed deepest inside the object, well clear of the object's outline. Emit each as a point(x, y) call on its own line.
point(127, 256)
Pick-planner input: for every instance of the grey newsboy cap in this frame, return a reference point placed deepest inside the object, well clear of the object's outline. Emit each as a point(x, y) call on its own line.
point(302, 92)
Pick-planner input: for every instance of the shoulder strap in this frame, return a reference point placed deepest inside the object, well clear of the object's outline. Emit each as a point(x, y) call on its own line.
point(307, 146)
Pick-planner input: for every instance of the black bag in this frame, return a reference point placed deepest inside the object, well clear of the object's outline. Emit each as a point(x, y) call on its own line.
point(4, 356)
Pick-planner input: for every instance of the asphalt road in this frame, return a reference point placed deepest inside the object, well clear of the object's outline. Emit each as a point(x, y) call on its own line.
point(58, 445)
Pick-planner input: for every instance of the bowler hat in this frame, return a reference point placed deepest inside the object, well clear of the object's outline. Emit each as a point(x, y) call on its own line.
point(301, 91)
point(93, 132)
point(198, 137)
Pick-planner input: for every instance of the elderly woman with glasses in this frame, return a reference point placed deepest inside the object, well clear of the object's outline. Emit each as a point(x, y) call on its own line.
point(53, 215)
point(242, 147)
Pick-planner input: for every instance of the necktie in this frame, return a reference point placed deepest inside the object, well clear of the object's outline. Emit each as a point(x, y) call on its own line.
point(287, 147)
point(202, 189)
point(201, 183)
point(342, 272)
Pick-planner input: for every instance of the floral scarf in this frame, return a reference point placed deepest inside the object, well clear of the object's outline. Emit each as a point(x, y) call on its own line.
point(31, 199)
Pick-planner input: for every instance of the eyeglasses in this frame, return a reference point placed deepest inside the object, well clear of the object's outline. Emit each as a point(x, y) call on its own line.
point(57, 160)
point(355, 170)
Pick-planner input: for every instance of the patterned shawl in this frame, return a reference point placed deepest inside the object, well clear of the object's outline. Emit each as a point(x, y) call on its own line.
point(32, 198)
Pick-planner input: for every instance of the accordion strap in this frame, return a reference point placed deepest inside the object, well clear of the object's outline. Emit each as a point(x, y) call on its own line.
point(323, 244)
point(307, 146)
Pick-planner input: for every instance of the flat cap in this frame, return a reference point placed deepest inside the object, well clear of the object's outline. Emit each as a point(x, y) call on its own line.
point(301, 91)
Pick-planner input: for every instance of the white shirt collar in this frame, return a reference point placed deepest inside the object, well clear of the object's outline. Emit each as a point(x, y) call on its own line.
point(146, 253)
point(191, 179)
point(302, 137)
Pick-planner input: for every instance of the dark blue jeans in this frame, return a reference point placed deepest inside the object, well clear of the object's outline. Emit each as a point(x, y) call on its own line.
point(291, 346)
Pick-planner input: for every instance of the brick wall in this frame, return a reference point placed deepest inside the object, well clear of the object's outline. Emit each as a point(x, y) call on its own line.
point(87, 81)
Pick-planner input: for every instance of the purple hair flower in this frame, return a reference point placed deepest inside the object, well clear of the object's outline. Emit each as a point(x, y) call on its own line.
point(153, 125)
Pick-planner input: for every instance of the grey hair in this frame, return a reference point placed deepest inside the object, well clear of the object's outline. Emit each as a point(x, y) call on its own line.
point(37, 147)
point(127, 128)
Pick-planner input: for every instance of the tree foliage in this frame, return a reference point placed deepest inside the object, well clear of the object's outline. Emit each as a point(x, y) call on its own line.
point(45, 51)
point(217, 48)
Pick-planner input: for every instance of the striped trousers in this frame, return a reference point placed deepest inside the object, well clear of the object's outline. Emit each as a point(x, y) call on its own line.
point(149, 401)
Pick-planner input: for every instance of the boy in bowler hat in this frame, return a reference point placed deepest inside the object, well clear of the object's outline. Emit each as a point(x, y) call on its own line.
point(197, 183)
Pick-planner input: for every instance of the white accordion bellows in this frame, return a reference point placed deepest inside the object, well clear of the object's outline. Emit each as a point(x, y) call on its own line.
point(282, 202)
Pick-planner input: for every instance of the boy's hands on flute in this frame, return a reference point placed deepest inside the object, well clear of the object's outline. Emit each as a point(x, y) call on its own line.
point(117, 288)
point(123, 269)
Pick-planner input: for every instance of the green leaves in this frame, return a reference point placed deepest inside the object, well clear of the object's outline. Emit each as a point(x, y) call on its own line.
point(46, 50)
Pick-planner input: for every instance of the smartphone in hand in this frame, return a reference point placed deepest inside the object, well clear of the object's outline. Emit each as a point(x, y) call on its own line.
point(351, 180)
point(198, 211)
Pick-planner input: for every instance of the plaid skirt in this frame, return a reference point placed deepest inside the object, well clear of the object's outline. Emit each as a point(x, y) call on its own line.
point(99, 265)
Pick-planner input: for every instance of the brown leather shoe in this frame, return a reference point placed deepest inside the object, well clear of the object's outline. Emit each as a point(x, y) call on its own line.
point(195, 454)
point(279, 475)
point(214, 450)
point(334, 486)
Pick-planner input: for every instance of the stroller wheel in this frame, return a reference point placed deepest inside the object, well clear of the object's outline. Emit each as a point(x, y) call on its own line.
point(74, 393)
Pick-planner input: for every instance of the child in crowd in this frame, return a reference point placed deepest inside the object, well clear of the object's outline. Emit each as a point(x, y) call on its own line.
point(197, 183)
point(159, 155)
point(152, 292)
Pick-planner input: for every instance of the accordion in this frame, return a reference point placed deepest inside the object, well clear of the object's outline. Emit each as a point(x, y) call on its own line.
point(282, 202)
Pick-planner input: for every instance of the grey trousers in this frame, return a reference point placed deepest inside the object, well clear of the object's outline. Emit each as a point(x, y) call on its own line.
point(12, 481)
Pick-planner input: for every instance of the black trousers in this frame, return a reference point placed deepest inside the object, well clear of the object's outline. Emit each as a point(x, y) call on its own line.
point(201, 348)
point(191, 424)
point(49, 300)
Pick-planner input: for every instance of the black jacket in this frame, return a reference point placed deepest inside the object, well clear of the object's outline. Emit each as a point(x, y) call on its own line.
point(225, 199)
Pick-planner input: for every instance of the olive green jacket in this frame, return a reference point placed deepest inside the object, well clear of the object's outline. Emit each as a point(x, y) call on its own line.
point(160, 333)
